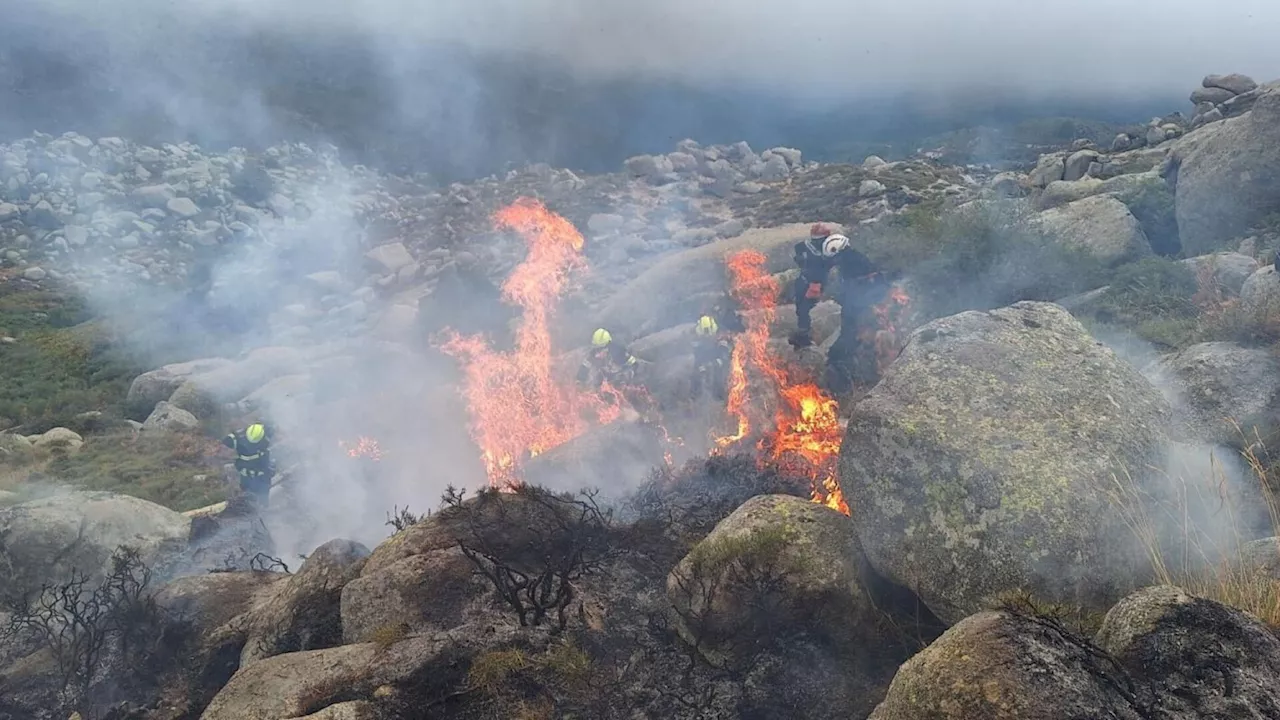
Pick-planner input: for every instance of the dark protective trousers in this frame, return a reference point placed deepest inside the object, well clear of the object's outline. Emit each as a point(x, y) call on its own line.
point(257, 483)
point(852, 357)
point(804, 304)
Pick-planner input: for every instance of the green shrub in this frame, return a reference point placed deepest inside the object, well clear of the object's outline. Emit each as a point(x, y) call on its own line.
point(160, 468)
point(60, 364)
point(1153, 206)
point(1151, 288)
point(982, 255)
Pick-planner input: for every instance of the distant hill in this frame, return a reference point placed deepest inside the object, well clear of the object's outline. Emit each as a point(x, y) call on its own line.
point(446, 111)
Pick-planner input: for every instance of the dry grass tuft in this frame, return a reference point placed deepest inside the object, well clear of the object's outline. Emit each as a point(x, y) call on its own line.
point(1214, 566)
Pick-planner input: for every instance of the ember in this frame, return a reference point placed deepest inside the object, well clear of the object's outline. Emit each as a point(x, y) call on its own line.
point(365, 447)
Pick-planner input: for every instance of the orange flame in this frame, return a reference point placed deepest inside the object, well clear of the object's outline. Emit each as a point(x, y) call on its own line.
point(756, 292)
point(518, 407)
point(363, 447)
point(806, 434)
point(886, 339)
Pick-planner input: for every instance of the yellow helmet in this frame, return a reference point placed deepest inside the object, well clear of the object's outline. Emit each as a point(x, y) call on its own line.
point(601, 338)
point(706, 325)
point(255, 432)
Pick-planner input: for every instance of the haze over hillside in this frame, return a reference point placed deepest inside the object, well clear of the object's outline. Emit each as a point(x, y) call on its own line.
point(465, 89)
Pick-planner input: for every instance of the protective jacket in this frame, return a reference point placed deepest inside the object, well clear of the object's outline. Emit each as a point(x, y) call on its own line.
point(609, 362)
point(252, 459)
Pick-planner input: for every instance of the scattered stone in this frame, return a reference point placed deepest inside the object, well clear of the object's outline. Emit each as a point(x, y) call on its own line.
point(169, 417)
point(43, 215)
point(47, 538)
point(328, 280)
point(872, 162)
point(649, 166)
point(1007, 184)
point(1227, 176)
point(1171, 638)
point(1077, 164)
point(790, 155)
point(1048, 169)
point(1229, 270)
point(35, 274)
point(391, 257)
point(811, 547)
point(775, 168)
point(183, 207)
point(602, 223)
point(870, 188)
point(1002, 665)
point(152, 196)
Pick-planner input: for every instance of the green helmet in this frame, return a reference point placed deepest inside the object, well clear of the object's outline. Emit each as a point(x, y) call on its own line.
point(601, 338)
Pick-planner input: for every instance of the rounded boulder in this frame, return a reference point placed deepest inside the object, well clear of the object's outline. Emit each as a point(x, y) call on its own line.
point(986, 459)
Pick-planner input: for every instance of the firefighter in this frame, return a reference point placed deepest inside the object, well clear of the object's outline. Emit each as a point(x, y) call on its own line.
point(252, 446)
point(852, 357)
point(726, 315)
point(607, 361)
point(816, 257)
point(711, 354)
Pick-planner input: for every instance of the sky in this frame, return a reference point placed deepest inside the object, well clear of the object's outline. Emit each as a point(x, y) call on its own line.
point(823, 47)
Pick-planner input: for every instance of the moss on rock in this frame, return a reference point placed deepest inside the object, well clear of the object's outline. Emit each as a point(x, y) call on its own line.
point(987, 457)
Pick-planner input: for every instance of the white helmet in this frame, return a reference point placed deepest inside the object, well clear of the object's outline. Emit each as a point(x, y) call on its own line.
point(834, 244)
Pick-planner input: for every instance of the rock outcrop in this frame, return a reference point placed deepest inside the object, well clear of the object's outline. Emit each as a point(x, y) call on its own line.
point(1005, 666)
point(304, 614)
point(1260, 298)
point(1225, 391)
point(1227, 175)
point(1100, 224)
point(982, 461)
point(779, 562)
point(699, 273)
point(46, 539)
point(296, 684)
point(1172, 639)
point(1227, 270)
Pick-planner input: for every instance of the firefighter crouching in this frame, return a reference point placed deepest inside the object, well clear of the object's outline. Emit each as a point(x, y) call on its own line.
point(711, 355)
point(254, 466)
point(607, 360)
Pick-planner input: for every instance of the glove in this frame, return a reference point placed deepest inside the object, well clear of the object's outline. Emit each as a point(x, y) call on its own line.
point(800, 339)
point(814, 292)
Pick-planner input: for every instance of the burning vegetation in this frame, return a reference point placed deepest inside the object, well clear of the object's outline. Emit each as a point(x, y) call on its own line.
point(803, 432)
point(520, 407)
point(363, 447)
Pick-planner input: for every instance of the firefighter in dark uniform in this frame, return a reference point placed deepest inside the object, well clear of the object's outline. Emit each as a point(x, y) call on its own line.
point(861, 288)
point(816, 257)
point(607, 360)
point(711, 355)
point(253, 460)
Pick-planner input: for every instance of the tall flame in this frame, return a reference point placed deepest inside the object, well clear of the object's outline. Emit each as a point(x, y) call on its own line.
point(518, 407)
point(756, 292)
point(804, 436)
